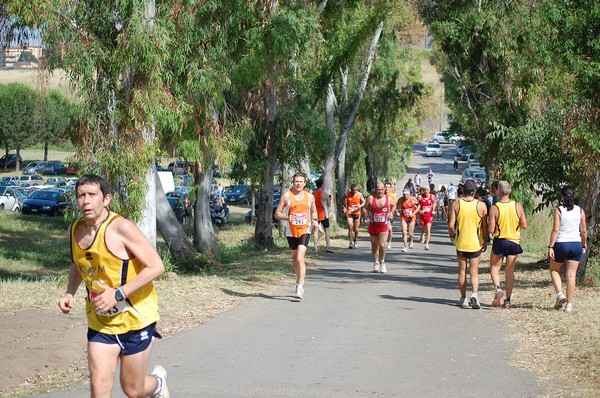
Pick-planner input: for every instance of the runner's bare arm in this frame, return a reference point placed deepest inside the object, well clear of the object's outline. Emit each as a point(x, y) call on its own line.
point(522, 219)
point(66, 302)
point(282, 203)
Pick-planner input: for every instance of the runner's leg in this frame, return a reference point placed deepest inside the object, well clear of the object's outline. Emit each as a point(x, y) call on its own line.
point(102, 361)
point(134, 380)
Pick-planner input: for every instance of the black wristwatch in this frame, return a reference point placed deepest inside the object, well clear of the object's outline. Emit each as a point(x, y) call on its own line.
point(119, 296)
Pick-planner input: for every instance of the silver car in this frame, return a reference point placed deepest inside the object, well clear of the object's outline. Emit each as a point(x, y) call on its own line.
point(433, 149)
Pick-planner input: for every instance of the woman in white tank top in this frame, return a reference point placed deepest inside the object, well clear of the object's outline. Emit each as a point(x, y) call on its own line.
point(568, 239)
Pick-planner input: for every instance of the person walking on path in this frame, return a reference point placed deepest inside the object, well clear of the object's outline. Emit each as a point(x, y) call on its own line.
point(407, 207)
point(441, 203)
point(506, 221)
point(455, 164)
point(467, 227)
point(298, 211)
point(323, 203)
point(378, 212)
point(430, 175)
point(393, 199)
point(410, 186)
point(353, 203)
point(426, 204)
point(117, 265)
point(417, 180)
point(568, 239)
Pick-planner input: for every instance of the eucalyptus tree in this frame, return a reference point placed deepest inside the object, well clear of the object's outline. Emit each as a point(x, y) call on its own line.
point(53, 115)
point(113, 53)
point(523, 81)
point(352, 31)
point(17, 128)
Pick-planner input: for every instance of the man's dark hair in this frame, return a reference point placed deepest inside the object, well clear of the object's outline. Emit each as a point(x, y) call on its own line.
point(94, 179)
point(319, 183)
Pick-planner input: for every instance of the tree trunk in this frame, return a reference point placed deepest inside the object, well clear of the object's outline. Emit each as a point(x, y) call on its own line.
point(329, 164)
point(205, 240)
point(348, 119)
point(589, 201)
point(170, 229)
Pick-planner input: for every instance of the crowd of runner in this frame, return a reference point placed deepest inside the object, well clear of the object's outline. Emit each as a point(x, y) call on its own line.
point(475, 217)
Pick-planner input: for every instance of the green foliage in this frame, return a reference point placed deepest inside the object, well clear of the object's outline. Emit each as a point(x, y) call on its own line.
point(17, 107)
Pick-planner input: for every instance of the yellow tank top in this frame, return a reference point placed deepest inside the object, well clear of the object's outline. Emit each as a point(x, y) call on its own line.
point(469, 236)
point(97, 264)
point(507, 224)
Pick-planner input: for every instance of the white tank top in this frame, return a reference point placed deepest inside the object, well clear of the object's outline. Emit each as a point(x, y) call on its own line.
point(569, 225)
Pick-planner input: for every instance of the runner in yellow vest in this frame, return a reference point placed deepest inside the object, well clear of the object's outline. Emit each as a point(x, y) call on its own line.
point(467, 227)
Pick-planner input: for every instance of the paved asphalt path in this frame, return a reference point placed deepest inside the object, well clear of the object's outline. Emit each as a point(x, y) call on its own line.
point(355, 334)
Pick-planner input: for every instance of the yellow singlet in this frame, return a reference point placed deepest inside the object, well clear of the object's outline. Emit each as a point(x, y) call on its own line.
point(97, 264)
point(469, 235)
point(507, 224)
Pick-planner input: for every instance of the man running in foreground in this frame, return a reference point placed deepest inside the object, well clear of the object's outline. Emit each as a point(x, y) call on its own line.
point(117, 265)
point(297, 208)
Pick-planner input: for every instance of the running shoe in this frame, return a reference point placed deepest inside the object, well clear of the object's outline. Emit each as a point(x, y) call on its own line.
point(560, 300)
point(474, 300)
point(375, 267)
point(299, 292)
point(569, 307)
point(404, 249)
point(507, 305)
point(355, 243)
point(410, 245)
point(388, 245)
point(316, 248)
point(328, 249)
point(463, 302)
point(422, 238)
point(161, 375)
point(426, 246)
point(497, 298)
point(350, 246)
point(382, 267)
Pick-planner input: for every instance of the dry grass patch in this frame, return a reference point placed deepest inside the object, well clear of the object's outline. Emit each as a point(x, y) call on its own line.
point(563, 348)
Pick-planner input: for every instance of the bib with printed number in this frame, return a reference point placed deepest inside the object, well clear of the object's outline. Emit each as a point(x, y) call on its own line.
point(120, 307)
point(379, 217)
point(299, 218)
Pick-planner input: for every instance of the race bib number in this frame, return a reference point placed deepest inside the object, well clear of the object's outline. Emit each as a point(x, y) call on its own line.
point(379, 217)
point(120, 307)
point(426, 209)
point(353, 208)
point(408, 212)
point(299, 219)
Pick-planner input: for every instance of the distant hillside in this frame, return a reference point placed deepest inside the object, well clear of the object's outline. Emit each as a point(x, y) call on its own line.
point(57, 80)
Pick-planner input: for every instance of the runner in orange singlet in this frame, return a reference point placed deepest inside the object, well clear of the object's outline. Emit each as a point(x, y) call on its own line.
point(298, 211)
point(353, 203)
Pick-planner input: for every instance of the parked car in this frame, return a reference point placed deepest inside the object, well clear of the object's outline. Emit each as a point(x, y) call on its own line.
point(12, 160)
point(24, 190)
point(54, 168)
point(9, 199)
point(446, 137)
point(459, 149)
point(433, 149)
point(465, 153)
point(57, 181)
point(177, 167)
point(178, 207)
point(13, 180)
point(474, 174)
point(276, 198)
point(49, 202)
point(35, 167)
point(30, 180)
point(184, 197)
point(237, 194)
